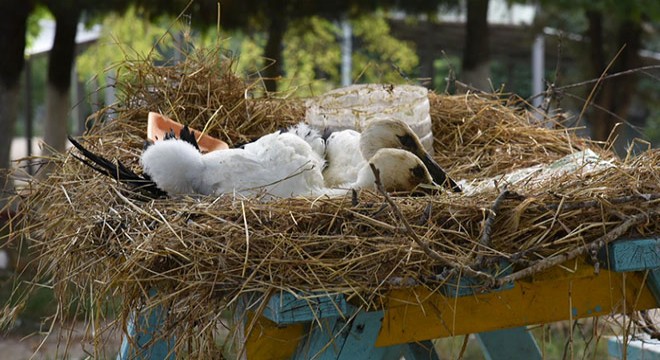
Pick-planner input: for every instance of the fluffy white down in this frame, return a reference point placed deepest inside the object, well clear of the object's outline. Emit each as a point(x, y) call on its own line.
point(173, 165)
point(276, 165)
point(344, 158)
point(281, 165)
point(311, 135)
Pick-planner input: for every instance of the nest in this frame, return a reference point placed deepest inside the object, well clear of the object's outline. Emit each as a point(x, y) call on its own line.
point(100, 240)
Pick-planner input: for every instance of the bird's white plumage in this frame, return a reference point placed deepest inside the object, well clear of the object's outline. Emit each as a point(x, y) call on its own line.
point(348, 151)
point(287, 164)
point(173, 165)
point(311, 135)
point(344, 159)
point(397, 171)
point(277, 164)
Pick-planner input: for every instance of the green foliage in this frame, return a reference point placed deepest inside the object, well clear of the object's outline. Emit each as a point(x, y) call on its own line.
point(124, 36)
point(33, 28)
point(379, 57)
point(312, 54)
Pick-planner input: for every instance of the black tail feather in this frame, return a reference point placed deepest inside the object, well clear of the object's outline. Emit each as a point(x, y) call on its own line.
point(188, 136)
point(118, 171)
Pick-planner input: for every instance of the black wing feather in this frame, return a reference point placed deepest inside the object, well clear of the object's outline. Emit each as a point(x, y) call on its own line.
point(118, 171)
point(188, 136)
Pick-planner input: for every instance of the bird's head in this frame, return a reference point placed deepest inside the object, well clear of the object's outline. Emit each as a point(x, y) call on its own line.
point(396, 134)
point(400, 170)
point(389, 133)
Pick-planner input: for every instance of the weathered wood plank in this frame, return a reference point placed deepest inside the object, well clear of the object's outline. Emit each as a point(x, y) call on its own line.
point(509, 344)
point(634, 254)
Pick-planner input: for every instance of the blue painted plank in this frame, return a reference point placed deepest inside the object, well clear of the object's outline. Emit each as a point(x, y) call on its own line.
point(457, 286)
point(285, 308)
point(350, 338)
point(361, 337)
point(634, 254)
point(509, 344)
point(636, 349)
point(151, 343)
point(423, 350)
point(322, 342)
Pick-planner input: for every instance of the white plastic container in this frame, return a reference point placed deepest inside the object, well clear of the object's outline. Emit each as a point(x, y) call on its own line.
point(354, 106)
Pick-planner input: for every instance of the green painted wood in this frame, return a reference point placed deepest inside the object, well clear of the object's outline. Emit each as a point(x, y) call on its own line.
point(633, 254)
point(322, 342)
point(285, 308)
point(509, 344)
point(635, 349)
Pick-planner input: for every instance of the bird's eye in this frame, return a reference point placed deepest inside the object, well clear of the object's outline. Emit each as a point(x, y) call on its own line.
point(418, 171)
point(407, 141)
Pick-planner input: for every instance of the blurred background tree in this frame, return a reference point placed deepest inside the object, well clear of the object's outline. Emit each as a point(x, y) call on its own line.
point(615, 32)
point(299, 43)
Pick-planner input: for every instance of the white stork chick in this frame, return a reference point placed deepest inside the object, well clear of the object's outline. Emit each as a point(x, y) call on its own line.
point(399, 170)
point(277, 164)
point(344, 159)
point(311, 135)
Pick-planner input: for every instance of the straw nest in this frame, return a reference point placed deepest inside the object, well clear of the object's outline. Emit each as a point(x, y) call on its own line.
point(99, 239)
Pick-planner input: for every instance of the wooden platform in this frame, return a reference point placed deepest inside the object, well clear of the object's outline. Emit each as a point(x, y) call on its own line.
point(329, 327)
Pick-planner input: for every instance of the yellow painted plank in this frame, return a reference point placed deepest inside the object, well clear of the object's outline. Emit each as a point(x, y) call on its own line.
point(566, 292)
point(544, 299)
point(268, 341)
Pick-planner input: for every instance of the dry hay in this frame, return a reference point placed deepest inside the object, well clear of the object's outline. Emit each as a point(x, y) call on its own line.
point(99, 240)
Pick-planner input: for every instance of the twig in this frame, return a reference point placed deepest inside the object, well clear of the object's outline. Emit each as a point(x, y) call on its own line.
point(490, 219)
point(592, 94)
point(592, 203)
point(426, 214)
point(647, 325)
point(489, 279)
point(606, 77)
point(584, 249)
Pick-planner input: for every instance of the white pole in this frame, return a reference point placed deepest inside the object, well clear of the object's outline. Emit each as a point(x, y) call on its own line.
point(346, 52)
point(538, 68)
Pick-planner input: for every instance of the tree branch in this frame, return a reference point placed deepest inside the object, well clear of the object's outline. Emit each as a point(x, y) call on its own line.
point(547, 263)
point(488, 279)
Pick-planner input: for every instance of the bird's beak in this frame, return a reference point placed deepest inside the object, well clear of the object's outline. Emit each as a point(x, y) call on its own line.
point(437, 173)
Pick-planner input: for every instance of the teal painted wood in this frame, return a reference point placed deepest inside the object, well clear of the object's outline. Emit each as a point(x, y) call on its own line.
point(634, 254)
point(353, 338)
point(322, 342)
point(457, 286)
point(147, 335)
point(509, 344)
point(636, 349)
point(285, 308)
point(361, 336)
point(423, 350)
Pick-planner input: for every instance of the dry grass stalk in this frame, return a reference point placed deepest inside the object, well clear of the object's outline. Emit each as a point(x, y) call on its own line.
point(98, 240)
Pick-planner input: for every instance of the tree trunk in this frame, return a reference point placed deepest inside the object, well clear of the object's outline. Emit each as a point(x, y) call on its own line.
point(615, 94)
point(476, 54)
point(60, 64)
point(273, 49)
point(13, 27)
